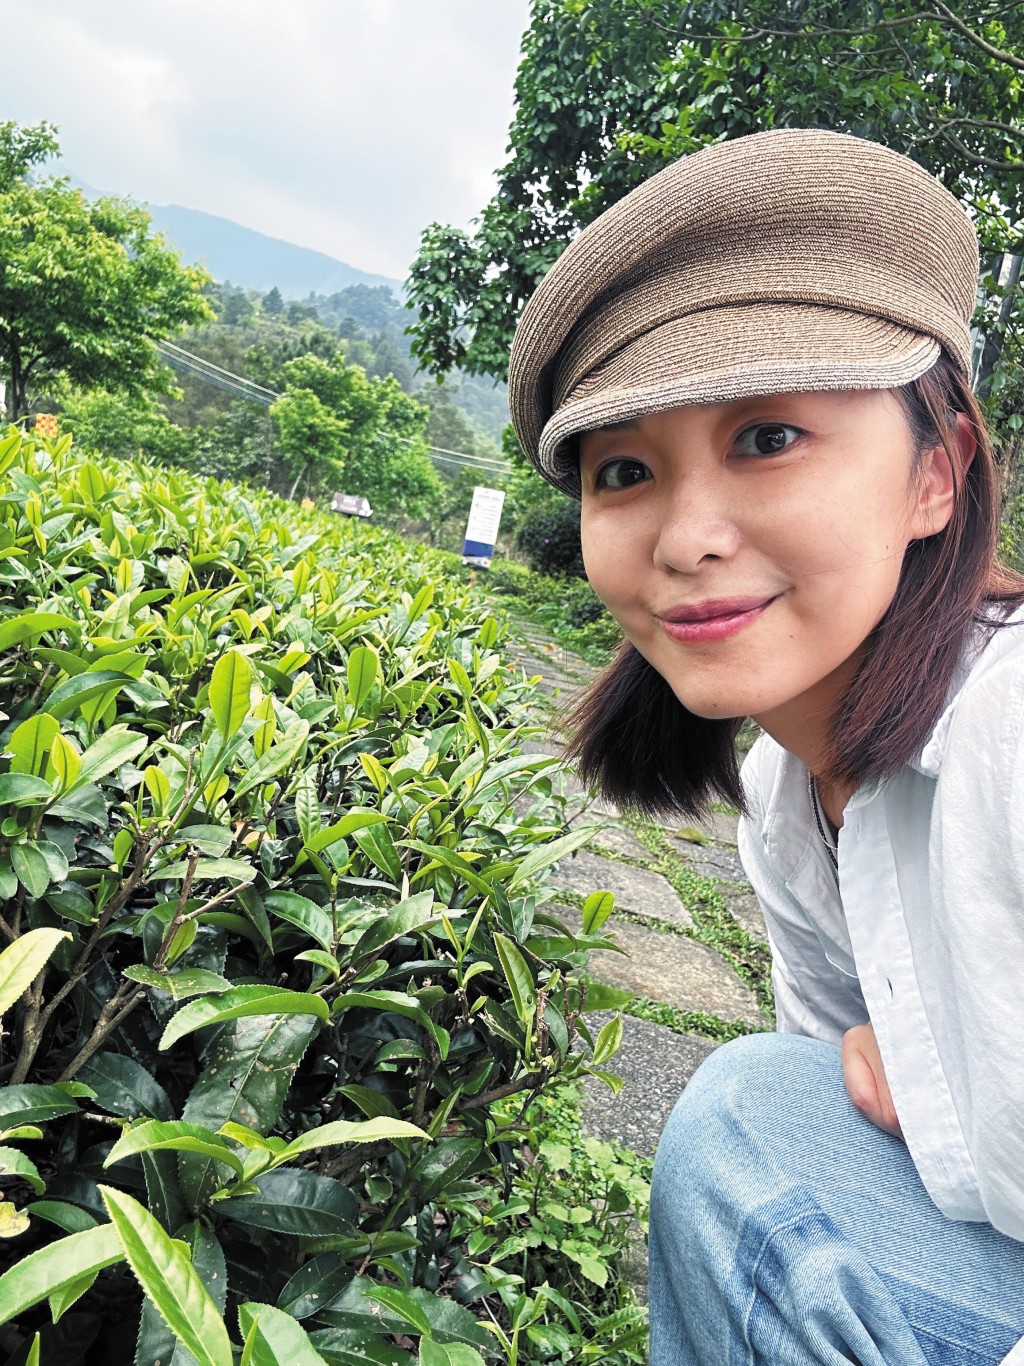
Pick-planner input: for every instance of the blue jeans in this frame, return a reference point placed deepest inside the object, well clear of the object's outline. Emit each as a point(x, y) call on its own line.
point(787, 1229)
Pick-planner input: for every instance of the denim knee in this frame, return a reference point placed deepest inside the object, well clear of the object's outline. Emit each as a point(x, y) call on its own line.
point(746, 1095)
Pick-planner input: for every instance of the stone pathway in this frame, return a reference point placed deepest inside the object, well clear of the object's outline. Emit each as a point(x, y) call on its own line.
point(693, 945)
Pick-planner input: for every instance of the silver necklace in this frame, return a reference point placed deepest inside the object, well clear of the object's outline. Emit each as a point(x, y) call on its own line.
point(812, 792)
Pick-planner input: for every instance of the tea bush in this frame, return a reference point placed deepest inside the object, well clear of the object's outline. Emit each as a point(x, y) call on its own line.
point(271, 885)
point(568, 608)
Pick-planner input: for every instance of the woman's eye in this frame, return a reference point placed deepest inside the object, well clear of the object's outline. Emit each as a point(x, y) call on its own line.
point(620, 474)
point(767, 438)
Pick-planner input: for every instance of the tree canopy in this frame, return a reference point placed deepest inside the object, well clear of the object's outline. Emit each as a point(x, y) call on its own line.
point(609, 92)
point(85, 288)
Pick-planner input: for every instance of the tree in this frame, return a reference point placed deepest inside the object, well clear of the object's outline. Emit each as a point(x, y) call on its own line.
point(310, 438)
point(338, 426)
point(85, 288)
point(273, 302)
point(609, 92)
point(125, 427)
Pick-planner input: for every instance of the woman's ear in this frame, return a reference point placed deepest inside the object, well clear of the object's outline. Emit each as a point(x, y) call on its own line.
point(937, 481)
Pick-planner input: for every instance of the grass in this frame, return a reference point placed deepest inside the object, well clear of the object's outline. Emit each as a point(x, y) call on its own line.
point(714, 923)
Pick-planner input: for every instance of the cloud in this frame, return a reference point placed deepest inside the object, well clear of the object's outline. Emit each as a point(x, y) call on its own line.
point(343, 125)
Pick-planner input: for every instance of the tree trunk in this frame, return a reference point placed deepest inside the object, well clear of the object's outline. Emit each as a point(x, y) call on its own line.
point(995, 341)
point(17, 403)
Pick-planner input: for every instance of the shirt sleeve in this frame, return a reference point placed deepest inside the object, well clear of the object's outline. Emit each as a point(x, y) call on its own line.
point(813, 995)
point(977, 869)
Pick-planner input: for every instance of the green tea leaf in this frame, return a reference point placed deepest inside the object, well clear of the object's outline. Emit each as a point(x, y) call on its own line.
point(180, 985)
point(166, 1274)
point(247, 1071)
point(24, 789)
point(235, 870)
point(295, 1201)
point(156, 1341)
point(30, 743)
point(349, 1131)
point(65, 760)
point(62, 1300)
point(229, 691)
point(314, 1285)
point(278, 757)
point(273, 1338)
point(400, 1302)
point(301, 912)
point(74, 693)
point(307, 806)
point(55, 1266)
point(609, 1041)
point(33, 1104)
point(70, 1218)
point(355, 820)
point(377, 844)
point(249, 1000)
point(22, 961)
point(518, 975)
point(400, 1004)
point(415, 913)
point(449, 1354)
point(15, 1163)
point(115, 747)
point(547, 854)
point(182, 1137)
point(363, 666)
point(596, 910)
point(31, 625)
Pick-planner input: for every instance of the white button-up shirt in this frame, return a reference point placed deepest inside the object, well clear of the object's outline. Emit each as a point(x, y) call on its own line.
point(922, 932)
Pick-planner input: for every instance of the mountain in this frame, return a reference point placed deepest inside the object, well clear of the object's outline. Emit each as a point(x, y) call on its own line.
point(254, 260)
point(244, 256)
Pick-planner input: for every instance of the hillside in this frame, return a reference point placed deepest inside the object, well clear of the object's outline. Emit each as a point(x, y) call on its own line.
point(230, 251)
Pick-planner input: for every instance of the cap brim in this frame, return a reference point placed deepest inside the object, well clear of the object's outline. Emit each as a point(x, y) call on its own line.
point(737, 351)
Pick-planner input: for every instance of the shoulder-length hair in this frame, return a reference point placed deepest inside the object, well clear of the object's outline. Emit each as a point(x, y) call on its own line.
point(631, 737)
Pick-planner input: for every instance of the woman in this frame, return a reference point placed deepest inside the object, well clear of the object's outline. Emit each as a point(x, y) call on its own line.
point(754, 372)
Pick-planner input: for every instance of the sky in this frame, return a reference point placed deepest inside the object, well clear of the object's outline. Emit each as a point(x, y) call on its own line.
point(342, 125)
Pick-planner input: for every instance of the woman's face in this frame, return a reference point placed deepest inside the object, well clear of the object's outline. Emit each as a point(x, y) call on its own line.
point(748, 549)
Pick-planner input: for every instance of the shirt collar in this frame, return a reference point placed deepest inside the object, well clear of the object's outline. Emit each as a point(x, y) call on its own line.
point(991, 642)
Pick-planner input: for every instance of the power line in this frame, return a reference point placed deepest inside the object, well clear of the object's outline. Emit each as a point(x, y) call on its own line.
point(180, 359)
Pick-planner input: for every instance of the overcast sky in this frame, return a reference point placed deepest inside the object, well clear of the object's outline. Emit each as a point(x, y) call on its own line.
point(343, 125)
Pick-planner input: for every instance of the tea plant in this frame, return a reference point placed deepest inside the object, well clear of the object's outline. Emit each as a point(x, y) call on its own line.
point(271, 885)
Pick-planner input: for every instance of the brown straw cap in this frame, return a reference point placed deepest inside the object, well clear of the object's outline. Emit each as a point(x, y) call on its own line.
point(791, 260)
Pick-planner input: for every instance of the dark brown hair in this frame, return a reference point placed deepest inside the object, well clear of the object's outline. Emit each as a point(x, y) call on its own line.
point(633, 739)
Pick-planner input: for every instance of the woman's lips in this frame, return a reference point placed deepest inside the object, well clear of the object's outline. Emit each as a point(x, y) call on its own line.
point(716, 620)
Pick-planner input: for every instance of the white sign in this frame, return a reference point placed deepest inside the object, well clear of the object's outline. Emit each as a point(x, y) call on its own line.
point(482, 528)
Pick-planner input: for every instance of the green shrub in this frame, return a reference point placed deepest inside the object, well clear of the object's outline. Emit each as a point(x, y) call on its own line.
point(549, 537)
point(277, 938)
point(581, 605)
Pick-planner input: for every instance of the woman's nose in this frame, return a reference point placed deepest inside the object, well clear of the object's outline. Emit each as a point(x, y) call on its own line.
point(697, 523)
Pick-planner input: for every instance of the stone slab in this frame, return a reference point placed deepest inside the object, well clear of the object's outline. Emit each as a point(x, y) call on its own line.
point(720, 861)
point(618, 839)
point(670, 968)
point(655, 1064)
point(717, 825)
point(744, 906)
point(636, 889)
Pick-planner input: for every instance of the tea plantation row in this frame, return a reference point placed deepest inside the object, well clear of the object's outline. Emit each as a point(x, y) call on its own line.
point(280, 980)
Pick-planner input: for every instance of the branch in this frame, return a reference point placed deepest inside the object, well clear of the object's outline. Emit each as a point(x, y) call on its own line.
point(1009, 58)
point(972, 157)
point(941, 14)
point(118, 1008)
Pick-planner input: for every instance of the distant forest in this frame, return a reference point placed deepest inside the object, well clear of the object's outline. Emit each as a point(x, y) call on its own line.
point(255, 332)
